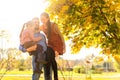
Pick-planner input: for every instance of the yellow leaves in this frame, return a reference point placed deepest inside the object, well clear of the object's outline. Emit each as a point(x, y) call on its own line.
point(75, 1)
point(102, 39)
point(98, 60)
point(117, 58)
point(85, 9)
point(64, 9)
point(107, 51)
point(115, 7)
point(103, 27)
point(112, 5)
point(101, 59)
point(118, 7)
point(88, 20)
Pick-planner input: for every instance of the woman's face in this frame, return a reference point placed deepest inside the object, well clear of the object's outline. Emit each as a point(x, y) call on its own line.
point(43, 19)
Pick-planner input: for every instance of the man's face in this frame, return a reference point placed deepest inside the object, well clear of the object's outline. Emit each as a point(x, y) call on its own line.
point(36, 22)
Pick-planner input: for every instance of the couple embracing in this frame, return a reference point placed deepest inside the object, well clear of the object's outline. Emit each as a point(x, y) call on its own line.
point(43, 42)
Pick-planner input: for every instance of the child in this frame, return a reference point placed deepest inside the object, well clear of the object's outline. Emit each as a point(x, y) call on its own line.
point(27, 35)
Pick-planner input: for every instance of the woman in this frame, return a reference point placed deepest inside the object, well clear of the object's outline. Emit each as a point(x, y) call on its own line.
point(56, 45)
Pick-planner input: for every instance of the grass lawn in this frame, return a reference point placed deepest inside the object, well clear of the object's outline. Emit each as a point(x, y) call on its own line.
point(64, 75)
point(60, 78)
point(16, 78)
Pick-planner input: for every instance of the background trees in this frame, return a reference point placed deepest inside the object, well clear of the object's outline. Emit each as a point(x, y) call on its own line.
point(89, 22)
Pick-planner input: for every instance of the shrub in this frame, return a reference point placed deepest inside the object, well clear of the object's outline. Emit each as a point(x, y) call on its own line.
point(78, 69)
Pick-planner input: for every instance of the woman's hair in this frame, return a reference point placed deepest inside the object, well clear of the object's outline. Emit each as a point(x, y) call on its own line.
point(48, 23)
point(45, 15)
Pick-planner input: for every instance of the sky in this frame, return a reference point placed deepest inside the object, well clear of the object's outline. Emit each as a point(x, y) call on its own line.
point(14, 13)
point(84, 52)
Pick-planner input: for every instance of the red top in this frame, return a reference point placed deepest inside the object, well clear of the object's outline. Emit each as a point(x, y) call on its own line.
point(55, 39)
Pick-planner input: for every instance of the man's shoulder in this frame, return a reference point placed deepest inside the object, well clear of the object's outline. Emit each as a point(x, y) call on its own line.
point(39, 34)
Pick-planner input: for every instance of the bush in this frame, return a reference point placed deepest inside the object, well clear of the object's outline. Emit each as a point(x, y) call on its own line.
point(96, 72)
point(78, 69)
point(69, 69)
point(21, 68)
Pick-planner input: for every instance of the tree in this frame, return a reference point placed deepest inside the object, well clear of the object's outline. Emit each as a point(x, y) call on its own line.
point(7, 54)
point(88, 23)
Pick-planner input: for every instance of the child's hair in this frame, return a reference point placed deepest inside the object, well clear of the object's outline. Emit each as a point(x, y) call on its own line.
point(30, 24)
point(24, 25)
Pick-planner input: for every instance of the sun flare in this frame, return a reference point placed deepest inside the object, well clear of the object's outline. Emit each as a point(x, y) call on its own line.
point(14, 13)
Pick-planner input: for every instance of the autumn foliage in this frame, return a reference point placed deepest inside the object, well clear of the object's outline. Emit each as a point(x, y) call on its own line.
point(88, 22)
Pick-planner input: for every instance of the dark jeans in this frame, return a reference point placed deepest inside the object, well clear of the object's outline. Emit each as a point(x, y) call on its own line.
point(39, 58)
point(50, 58)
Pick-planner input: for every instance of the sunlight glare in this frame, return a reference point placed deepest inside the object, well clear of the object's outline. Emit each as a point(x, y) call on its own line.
point(14, 13)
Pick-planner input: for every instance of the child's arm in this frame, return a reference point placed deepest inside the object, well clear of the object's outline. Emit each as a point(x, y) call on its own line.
point(32, 48)
point(21, 48)
point(34, 38)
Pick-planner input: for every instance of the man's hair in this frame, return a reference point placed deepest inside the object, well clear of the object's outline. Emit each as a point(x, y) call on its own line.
point(35, 18)
point(30, 23)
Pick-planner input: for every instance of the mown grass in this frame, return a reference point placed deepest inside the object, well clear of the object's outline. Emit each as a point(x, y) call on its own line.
point(16, 72)
point(16, 78)
point(63, 75)
point(60, 78)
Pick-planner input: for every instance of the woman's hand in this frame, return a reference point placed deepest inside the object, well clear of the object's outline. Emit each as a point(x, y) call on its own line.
point(56, 54)
point(64, 49)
